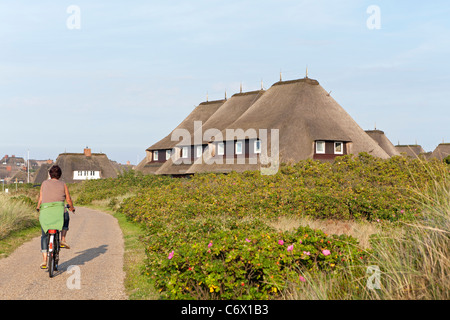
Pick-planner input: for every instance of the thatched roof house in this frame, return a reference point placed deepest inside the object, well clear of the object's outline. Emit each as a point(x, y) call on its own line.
point(383, 142)
point(311, 124)
point(160, 152)
point(293, 120)
point(220, 120)
point(411, 150)
point(77, 167)
point(441, 152)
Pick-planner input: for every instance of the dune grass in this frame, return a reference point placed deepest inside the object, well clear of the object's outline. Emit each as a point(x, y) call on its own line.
point(15, 215)
point(18, 223)
point(408, 261)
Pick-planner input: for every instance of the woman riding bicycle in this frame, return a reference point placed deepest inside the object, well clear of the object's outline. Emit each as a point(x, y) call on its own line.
point(52, 215)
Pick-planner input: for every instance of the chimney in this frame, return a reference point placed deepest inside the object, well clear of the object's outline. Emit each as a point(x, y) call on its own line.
point(87, 152)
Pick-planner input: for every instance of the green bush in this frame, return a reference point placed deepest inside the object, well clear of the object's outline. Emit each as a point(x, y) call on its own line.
point(213, 259)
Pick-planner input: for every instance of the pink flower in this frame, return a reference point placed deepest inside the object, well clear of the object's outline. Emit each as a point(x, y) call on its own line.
point(402, 211)
point(280, 242)
point(290, 248)
point(210, 245)
point(306, 253)
point(326, 252)
point(246, 239)
point(171, 255)
point(302, 279)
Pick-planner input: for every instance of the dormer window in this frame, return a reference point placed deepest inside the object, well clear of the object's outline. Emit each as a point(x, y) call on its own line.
point(199, 151)
point(238, 147)
point(155, 155)
point(338, 148)
point(168, 154)
point(220, 149)
point(184, 152)
point(320, 147)
point(257, 146)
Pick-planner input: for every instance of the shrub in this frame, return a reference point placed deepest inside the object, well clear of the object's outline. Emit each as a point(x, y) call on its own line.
point(240, 260)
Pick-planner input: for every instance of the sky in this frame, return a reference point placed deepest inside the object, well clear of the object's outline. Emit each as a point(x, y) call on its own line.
point(118, 76)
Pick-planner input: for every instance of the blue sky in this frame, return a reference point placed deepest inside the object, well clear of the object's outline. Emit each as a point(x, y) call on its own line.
point(135, 69)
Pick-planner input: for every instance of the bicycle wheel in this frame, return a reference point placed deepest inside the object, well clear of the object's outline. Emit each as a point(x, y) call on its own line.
point(51, 255)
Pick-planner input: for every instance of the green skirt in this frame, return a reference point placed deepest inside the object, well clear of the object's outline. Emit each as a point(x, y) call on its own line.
point(52, 216)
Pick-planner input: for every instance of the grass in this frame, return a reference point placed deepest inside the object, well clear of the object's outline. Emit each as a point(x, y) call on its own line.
point(136, 283)
point(412, 259)
point(15, 215)
point(18, 224)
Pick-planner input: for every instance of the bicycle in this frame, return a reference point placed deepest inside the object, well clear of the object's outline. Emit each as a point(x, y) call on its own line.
point(53, 248)
point(52, 251)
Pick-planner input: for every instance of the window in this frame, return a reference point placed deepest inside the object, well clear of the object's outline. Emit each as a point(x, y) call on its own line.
point(199, 151)
point(168, 154)
point(320, 146)
point(220, 149)
point(80, 173)
point(257, 146)
point(184, 152)
point(338, 148)
point(155, 155)
point(238, 148)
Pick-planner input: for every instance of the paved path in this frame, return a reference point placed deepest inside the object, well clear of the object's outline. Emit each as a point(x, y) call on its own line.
point(96, 252)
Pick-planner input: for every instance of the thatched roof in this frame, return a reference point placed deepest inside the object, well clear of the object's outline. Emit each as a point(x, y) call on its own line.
point(230, 111)
point(220, 120)
point(201, 113)
point(70, 162)
point(42, 173)
point(304, 112)
point(411, 150)
point(441, 152)
point(383, 142)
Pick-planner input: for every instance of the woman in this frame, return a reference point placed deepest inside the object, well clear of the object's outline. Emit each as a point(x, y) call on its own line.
point(52, 215)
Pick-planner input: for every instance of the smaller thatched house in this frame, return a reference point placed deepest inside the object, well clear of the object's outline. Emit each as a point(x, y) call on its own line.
point(383, 142)
point(77, 167)
point(441, 152)
point(160, 153)
point(411, 150)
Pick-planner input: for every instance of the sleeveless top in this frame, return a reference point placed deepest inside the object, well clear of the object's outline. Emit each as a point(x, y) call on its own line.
point(53, 191)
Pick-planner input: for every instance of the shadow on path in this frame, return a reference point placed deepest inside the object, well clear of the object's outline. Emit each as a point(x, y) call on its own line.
point(83, 257)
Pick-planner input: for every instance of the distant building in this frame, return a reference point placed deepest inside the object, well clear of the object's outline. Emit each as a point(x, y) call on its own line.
point(441, 152)
point(411, 150)
point(78, 167)
point(383, 142)
point(311, 125)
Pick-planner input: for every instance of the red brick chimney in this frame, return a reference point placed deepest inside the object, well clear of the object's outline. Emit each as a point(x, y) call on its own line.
point(87, 152)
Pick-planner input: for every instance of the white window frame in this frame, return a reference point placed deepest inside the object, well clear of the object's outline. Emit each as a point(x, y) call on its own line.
point(342, 147)
point(238, 145)
point(155, 155)
point(184, 152)
point(168, 154)
point(317, 145)
point(255, 146)
point(199, 151)
point(220, 149)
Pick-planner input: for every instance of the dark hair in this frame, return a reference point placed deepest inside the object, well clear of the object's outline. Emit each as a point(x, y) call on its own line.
point(55, 172)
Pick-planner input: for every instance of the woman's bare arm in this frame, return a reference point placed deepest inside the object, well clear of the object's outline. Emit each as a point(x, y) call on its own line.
point(39, 199)
point(69, 199)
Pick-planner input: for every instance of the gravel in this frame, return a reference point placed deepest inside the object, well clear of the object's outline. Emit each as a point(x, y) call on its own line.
point(92, 269)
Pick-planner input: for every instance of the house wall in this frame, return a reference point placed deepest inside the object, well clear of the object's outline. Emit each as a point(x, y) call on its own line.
point(86, 175)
